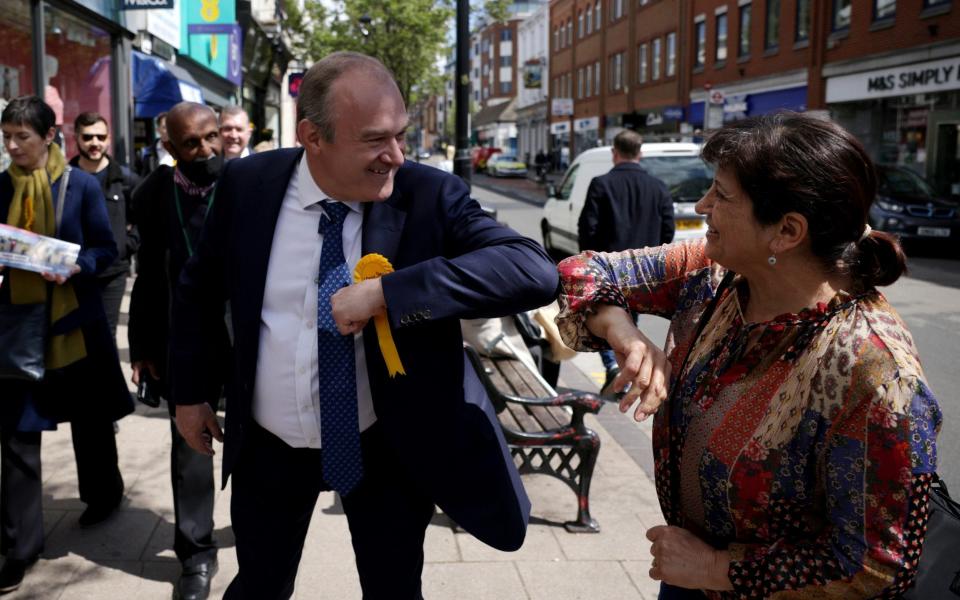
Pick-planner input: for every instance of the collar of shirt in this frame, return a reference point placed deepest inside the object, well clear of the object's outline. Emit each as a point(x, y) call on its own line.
point(309, 193)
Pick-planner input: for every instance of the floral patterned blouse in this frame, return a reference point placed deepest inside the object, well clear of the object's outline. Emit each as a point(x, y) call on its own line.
point(805, 445)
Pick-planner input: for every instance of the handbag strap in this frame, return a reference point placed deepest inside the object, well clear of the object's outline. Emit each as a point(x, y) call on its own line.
point(61, 196)
point(704, 318)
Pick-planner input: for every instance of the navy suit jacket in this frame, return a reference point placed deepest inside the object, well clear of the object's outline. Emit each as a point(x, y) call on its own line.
point(452, 262)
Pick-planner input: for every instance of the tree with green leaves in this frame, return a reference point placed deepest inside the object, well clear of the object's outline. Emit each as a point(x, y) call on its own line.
point(406, 35)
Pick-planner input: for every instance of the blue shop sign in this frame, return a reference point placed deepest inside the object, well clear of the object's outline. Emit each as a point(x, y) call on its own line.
point(673, 113)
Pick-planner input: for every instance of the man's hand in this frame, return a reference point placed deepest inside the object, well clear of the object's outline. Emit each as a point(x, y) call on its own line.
point(138, 366)
point(61, 279)
point(197, 424)
point(643, 364)
point(356, 304)
point(682, 559)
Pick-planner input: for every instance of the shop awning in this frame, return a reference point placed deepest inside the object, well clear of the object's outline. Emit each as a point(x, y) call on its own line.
point(158, 85)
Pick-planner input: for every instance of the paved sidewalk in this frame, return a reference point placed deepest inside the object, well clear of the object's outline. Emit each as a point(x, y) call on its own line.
point(131, 555)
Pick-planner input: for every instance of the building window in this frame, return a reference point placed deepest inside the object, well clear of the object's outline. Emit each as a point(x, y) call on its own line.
point(931, 3)
point(589, 80)
point(569, 31)
point(642, 64)
point(700, 41)
point(506, 87)
point(616, 72)
point(842, 10)
point(596, 15)
point(803, 21)
point(616, 10)
point(884, 9)
point(580, 83)
point(771, 40)
point(556, 38)
point(671, 54)
point(721, 55)
point(655, 50)
point(743, 45)
point(506, 61)
point(580, 25)
point(589, 17)
point(506, 35)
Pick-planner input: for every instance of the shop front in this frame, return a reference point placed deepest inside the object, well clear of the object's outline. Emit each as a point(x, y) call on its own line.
point(559, 145)
point(712, 108)
point(532, 131)
point(905, 114)
point(655, 124)
point(73, 57)
point(586, 134)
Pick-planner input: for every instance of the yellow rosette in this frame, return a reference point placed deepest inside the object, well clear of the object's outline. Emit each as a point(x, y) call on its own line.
point(372, 266)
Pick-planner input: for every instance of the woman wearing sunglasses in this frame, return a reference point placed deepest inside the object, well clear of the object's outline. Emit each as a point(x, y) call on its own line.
point(83, 383)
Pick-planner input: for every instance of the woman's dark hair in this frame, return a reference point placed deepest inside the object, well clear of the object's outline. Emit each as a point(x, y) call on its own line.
point(792, 162)
point(31, 111)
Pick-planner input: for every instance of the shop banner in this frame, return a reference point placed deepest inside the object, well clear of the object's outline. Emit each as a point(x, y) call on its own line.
point(917, 78)
point(560, 127)
point(145, 4)
point(212, 50)
point(235, 36)
point(588, 124)
point(532, 75)
point(561, 107)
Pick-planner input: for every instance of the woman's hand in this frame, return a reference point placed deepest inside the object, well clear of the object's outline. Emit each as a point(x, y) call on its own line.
point(682, 559)
point(643, 364)
point(61, 279)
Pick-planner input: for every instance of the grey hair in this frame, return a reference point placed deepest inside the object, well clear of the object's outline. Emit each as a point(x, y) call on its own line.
point(232, 110)
point(314, 103)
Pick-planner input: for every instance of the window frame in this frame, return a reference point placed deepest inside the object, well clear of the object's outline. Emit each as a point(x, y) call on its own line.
point(744, 41)
point(656, 59)
point(888, 18)
point(718, 17)
point(643, 67)
point(671, 50)
point(775, 8)
point(834, 13)
point(797, 38)
point(700, 42)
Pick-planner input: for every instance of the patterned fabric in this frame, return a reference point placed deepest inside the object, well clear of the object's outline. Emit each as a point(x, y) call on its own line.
point(339, 426)
point(804, 444)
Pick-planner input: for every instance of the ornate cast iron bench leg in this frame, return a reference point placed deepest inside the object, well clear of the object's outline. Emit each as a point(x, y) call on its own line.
point(587, 448)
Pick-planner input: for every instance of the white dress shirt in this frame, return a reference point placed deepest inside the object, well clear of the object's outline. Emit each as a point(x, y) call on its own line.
point(286, 395)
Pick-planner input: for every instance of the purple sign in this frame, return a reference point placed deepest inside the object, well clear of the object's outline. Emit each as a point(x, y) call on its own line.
point(235, 59)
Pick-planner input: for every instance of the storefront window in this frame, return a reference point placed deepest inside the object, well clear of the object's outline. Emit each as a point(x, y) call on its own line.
point(16, 65)
point(77, 68)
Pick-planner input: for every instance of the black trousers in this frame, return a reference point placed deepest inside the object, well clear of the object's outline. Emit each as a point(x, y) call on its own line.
point(275, 489)
point(21, 515)
point(191, 475)
point(112, 289)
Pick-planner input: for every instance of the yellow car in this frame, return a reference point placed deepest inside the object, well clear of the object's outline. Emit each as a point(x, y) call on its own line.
point(506, 165)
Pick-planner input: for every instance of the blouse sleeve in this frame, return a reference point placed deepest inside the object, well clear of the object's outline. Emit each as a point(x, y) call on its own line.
point(647, 281)
point(879, 463)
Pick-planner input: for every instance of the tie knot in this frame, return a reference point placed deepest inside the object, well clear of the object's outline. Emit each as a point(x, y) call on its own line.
point(336, 212)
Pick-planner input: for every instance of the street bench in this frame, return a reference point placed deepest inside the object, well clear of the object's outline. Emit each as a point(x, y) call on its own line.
point(544, 430)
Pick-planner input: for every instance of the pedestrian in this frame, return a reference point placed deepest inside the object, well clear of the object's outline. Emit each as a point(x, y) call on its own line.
point(625, 208)
point(235, 132)
point(117, 183)
point(155, 154)
point(795, 449)
point(312, 406)
point(83, 383)
point(171, 206)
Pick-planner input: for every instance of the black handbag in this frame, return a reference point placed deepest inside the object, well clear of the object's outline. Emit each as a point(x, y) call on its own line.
point(938, 574)
point(23, 327)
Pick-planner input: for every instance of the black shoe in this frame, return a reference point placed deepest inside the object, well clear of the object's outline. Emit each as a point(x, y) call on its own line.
point(12, 572)
point(607, 390)
point(194, 583)
point(98, 513)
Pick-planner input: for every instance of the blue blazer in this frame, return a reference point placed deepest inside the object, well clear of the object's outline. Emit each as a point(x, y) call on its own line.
point(452, 262)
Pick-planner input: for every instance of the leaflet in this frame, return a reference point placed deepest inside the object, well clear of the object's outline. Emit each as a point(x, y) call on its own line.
point(23, 249)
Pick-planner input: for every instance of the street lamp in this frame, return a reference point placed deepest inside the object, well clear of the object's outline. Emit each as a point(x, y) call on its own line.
point(365, 22)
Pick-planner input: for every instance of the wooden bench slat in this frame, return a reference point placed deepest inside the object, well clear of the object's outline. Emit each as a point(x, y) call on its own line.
point(524, 382)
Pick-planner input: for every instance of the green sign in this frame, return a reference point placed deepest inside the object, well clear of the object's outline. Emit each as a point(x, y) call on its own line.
point(210, 50)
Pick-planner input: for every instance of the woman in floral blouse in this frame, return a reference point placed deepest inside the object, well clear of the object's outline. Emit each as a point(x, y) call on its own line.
point(795, 452)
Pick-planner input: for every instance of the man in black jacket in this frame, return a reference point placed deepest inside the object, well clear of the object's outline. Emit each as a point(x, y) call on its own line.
point(626, 208)
point(171, 207)
point(117, 182)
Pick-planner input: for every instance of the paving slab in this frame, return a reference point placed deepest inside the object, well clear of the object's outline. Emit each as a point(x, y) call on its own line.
point(577, 580)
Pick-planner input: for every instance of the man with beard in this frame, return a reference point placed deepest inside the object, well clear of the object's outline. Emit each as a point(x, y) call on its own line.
point(117, 182)
point(235, 132)
point(171, 207)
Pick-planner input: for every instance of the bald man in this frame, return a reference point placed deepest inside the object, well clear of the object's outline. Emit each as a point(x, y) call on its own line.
point(171, 207)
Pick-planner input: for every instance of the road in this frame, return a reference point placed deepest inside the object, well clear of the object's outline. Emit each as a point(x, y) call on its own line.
point(928, 299)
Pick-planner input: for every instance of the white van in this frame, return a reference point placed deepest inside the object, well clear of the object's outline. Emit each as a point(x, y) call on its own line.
point(677, 164)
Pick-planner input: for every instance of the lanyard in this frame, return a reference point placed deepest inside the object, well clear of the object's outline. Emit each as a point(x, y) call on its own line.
point(183, 225)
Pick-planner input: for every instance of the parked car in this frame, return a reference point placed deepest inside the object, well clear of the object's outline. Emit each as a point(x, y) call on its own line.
point(678, 165)
point(909, 207)
point(480, 156)
point(506, 165)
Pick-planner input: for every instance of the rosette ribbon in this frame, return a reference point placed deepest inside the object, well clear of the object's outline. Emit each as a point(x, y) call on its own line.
point(372, 266)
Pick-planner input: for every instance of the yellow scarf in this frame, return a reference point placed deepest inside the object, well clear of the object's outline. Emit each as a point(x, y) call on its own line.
point(32, 208)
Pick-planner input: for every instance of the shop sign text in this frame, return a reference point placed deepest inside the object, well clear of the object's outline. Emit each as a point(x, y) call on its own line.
point(919, 78)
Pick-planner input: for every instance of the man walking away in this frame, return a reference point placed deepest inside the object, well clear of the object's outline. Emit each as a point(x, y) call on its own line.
point(171, 207)
point(625, 208)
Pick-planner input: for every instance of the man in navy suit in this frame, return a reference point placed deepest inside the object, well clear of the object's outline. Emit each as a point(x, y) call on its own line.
point(424, 438)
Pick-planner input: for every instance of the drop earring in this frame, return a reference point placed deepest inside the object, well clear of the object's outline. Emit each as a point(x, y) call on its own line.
point(772, 260)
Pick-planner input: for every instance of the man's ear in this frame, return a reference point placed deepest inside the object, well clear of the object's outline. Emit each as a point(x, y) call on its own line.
point(169, 147)
point(791, 232)
point(308, 134)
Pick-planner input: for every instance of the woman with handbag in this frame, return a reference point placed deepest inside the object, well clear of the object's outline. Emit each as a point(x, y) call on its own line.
point(795, 451)
point(79, 378)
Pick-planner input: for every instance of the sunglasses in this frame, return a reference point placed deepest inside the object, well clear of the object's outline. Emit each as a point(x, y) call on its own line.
point(88, 137)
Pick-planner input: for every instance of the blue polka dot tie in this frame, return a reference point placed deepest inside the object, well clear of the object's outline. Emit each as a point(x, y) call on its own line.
point(339, 427)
